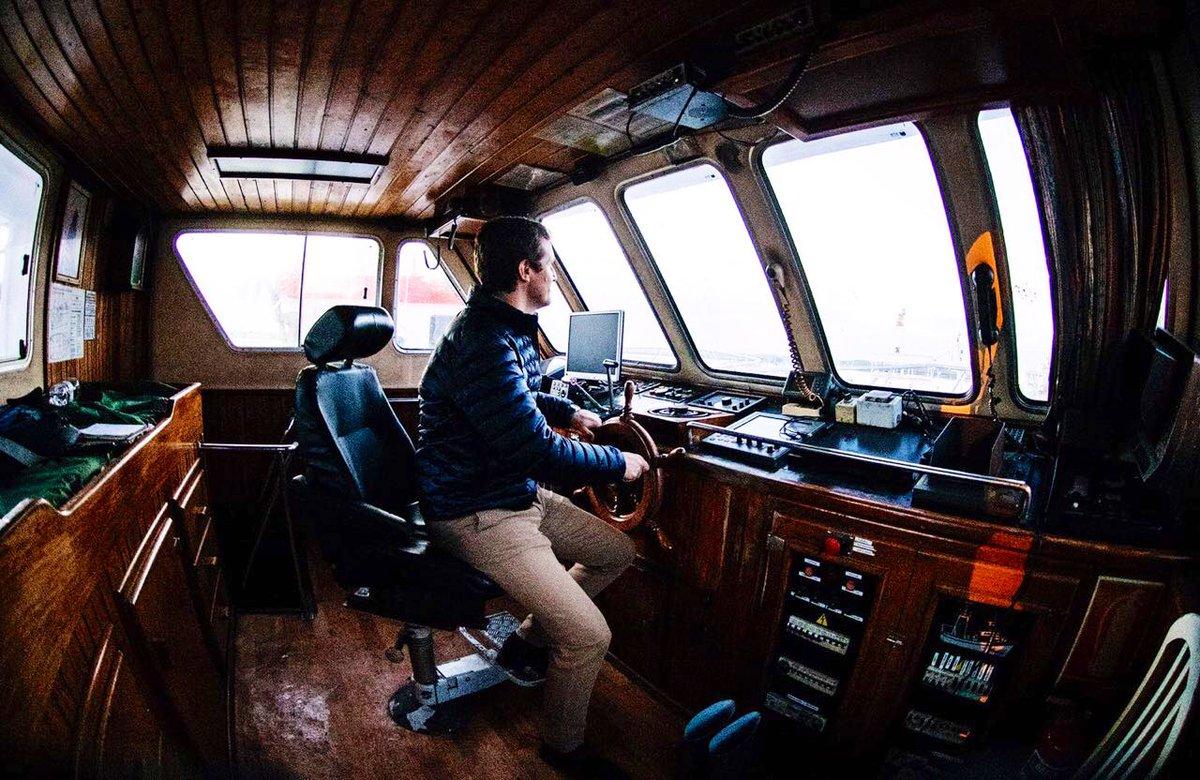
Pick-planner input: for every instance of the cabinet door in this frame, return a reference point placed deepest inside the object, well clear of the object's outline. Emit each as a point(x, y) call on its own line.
point(996, 579)
point(171, 647)
point(859, 717)
point(121, 734)
point(635, 606)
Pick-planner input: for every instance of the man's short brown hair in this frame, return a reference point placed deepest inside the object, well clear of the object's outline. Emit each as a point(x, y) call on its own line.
point(500, 247)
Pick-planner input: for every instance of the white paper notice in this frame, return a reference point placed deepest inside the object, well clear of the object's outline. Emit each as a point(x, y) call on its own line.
point(65, 326)
point(89, 315)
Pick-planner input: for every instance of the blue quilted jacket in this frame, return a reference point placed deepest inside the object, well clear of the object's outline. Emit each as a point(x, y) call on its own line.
point(484, 436)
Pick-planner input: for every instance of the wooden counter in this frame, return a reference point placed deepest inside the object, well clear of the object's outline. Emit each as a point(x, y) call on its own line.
point(113, 618)
point(702, 622)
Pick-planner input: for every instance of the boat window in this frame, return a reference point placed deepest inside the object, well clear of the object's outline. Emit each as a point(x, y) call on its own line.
point(264, 290)
point(1162, 305)
point(866, 217)
point(698, 241)
point(589, 251)
point(1028, 273)
point(21, 190)
point(426, 298)
point(555, 319)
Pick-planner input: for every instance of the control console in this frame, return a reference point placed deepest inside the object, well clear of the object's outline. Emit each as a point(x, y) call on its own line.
point(675, 393)
point(721, 401)
point(824, 620)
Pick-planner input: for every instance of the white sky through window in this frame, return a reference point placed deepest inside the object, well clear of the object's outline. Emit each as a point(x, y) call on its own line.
point(20, 203)
point(253, 282)
point(1029, 274)
point(592, 256)
point(698, 240)
point(426, 301)
point(866, 215)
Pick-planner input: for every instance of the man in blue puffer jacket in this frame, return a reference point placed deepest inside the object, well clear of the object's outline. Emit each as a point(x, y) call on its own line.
point(485, 441)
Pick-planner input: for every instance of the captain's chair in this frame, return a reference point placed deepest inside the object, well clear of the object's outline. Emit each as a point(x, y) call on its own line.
point(358, 488)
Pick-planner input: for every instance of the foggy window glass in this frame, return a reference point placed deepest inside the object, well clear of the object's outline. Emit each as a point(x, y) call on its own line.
point(1028, 273)
point(865, 213)
point(264, 290)
point(21, 189)
point(591, 254)
point(698, 241)
point(426, 300)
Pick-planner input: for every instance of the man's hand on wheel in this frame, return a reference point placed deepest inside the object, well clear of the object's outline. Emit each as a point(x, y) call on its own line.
point(635, 466)
point(583, 423)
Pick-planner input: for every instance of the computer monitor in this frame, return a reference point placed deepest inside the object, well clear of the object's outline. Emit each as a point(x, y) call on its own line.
point(592, 338)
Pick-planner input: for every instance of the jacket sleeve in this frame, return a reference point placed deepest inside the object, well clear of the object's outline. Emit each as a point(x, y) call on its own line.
point(558, 411)
point(492, 393)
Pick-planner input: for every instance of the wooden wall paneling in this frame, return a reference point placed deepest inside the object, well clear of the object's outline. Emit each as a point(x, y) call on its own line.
point(177, 56)
point(561, 88)
point(121, 350)
point(525, 48)
point(50, 104)
point(86, 41)
point(94, 102)
point(1115, 640)
point(218, 41)
point(448, 37)
point(120, 50)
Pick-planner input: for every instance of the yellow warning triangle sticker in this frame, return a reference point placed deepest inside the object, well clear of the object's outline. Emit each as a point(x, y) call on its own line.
point(823, 621)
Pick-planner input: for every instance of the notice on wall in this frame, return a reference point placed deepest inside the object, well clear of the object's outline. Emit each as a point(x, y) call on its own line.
point(64, 324)
point(89, 315)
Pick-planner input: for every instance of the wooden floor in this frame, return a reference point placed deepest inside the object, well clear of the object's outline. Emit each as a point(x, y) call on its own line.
point(311, 703)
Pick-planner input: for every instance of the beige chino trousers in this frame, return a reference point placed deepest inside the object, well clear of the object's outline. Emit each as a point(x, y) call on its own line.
point(519, 550)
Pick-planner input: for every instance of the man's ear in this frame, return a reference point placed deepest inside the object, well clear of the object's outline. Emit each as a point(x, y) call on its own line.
point(525, 271)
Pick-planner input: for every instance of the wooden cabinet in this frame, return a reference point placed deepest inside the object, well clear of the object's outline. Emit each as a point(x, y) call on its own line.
point(703, 621)
point(112, 666)
point(171, 645)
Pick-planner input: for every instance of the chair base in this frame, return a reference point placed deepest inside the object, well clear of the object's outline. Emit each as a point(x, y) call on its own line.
point(441, 709)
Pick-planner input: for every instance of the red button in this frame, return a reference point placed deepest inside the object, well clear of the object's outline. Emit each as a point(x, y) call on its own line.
point(832, 546)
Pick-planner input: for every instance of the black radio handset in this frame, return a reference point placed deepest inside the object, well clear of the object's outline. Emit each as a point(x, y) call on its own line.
point(797, 387)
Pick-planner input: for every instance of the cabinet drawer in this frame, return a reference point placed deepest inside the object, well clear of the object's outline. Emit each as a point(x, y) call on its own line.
point(190, 508)
point(206, 560)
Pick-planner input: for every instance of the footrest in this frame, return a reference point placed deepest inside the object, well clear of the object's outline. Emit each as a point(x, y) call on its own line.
point(500, 626)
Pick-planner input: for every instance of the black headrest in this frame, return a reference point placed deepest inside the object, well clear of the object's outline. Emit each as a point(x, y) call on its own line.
point(347, 333)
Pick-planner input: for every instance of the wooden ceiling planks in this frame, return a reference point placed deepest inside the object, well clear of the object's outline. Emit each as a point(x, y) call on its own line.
point(454, 91)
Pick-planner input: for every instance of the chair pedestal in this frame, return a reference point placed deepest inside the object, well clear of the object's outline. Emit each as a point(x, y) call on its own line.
point(432, 702)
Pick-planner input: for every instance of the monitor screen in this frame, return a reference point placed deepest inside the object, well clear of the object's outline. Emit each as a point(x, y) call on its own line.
point(593, 337)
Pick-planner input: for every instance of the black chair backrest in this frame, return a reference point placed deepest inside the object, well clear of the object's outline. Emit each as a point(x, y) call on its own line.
point(351, 442)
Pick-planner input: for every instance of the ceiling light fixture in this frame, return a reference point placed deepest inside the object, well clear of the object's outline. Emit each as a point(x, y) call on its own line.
point(296, 164)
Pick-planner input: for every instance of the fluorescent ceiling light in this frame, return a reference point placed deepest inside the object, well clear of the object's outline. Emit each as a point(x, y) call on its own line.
point(245, 163)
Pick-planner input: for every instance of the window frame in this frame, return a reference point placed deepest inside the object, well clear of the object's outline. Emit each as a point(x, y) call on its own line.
point(208, 309)
point(644, 248)
point(565, 274)
point(970, 315)
point(13, 145)
point(1022, 401)
point(395, 287)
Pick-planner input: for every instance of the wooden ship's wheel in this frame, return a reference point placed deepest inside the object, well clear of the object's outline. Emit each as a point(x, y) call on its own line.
point(627, 505)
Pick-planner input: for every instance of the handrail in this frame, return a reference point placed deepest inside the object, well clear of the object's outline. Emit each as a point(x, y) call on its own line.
point(1016, 485)
point(209, 446)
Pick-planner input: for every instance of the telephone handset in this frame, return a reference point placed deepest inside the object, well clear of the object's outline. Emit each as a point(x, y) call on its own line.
point(807, 392)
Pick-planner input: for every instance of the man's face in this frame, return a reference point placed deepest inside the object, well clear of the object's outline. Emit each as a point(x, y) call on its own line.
point(541, 282)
